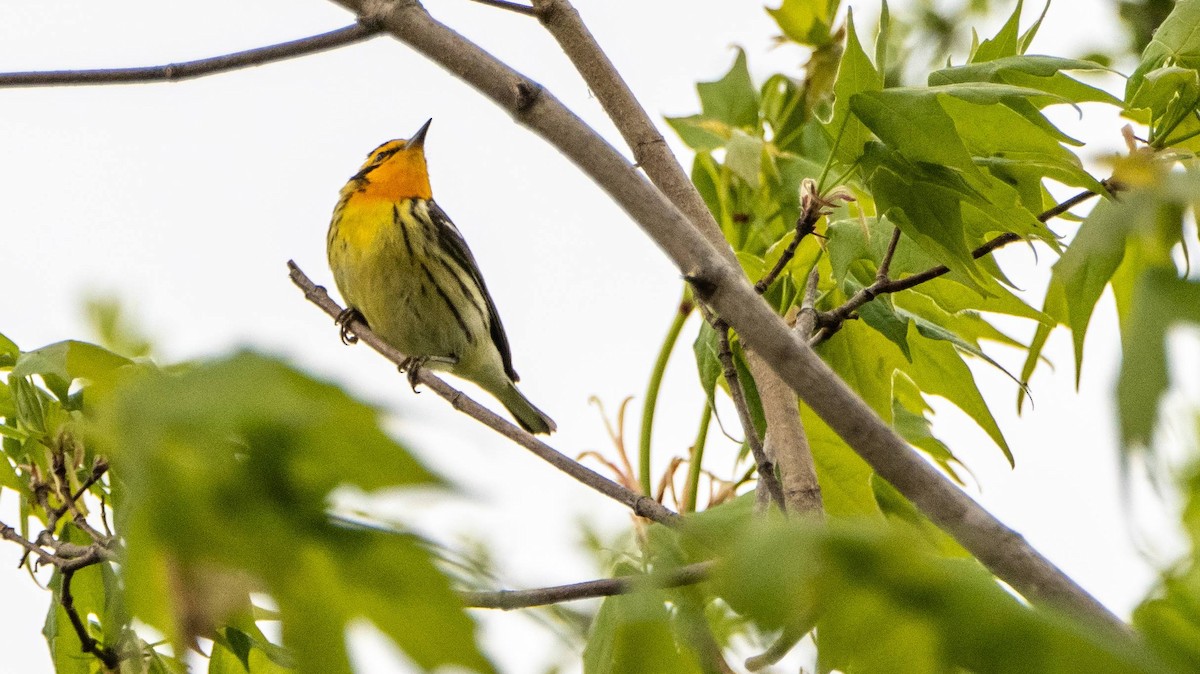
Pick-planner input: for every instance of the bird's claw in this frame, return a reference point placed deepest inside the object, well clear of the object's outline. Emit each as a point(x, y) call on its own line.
point(344, 319)
point(412, 365)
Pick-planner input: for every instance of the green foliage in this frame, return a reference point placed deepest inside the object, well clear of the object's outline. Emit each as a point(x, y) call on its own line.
point(1166, 83)
point(881, 596)
point(228, 469)
point(807, 22)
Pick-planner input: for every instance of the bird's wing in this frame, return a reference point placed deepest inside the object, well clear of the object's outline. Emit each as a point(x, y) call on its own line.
point(452, 241)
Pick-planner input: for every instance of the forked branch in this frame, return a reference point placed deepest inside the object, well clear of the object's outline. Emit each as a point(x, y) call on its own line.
point(829, 322)
point(726, 290)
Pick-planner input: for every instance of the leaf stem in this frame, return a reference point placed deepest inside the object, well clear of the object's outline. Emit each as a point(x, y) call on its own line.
point(693, 478)
point(656, 376)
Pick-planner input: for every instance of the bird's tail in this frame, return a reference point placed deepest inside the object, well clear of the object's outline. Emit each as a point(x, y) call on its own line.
point(529, 417)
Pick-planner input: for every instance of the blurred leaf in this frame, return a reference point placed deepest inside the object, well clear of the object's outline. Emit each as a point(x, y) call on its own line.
point(903, 513)
point(877, 593)
point(228, 467)
point(632, 633)
point(744, 156)
point(856, 75)
point(806, 22)
point(114, 328)
point(1169, 617)
point(61, 363)
point(1161, 300)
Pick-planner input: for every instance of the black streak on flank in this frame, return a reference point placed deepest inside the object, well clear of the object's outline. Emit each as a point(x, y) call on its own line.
point(449, 305)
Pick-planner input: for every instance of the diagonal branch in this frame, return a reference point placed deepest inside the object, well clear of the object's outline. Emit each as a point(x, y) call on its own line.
point(724, 287)
point(174, 72)
point(643, 506)
point(508, 600)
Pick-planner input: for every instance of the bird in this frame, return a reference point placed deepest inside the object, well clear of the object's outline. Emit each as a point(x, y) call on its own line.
point(405, 270)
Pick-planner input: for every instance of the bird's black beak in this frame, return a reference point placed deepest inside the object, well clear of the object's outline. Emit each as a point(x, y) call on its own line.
point(418, 139)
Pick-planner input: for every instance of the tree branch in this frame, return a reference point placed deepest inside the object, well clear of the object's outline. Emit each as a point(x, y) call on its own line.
point(508, 600)
point(831, 321)
point(88, 644)
point(174, 72)
point(766, 469)
point(726, 289)
point(643, 506)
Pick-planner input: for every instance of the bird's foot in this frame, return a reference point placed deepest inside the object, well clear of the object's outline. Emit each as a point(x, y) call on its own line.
point(412, 365)
point(343, 321)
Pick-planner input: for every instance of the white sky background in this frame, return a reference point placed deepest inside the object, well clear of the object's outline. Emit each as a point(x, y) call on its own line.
point(185, 200)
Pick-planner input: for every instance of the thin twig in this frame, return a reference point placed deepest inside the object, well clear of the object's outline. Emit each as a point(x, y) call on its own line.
point(508, 600)
point(812, 207)
point(174, 72)
point(643, 506)
point(10, 534)
point(702, 255)
point(510, 6)
point(831, 321)
point(766, 469)
point(885, 265)
point(88, 644)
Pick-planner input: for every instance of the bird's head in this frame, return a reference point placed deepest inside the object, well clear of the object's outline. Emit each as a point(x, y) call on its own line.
point(396, 169)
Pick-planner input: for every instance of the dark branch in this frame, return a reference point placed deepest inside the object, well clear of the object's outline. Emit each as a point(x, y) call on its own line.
point(508, 600)
point(89, 645)
point(510, 6)
point(10, 534)
point(829, 322)
point(642, 506)
point(766, 469)
point(174, 72)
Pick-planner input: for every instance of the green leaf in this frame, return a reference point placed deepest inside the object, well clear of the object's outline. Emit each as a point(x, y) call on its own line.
point(806, 22)
point(855, 75)
point(228, 467)
point(61, 363)
point(913, 123)
point(8, 352)
point(632, 633)
point(1007, 42)
point(875, 591)
point(1043, 73)
point(1175, 43)
point(783, 108)
point(700, 133)
point(708, 364)
point(744, 156)
point(910, 418)
point(733, 99)
point(1161, 300)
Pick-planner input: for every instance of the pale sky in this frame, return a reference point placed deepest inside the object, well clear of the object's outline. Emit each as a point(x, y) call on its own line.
point(185, 200)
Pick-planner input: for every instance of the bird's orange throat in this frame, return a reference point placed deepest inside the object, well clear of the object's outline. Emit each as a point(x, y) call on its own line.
point(401, 176)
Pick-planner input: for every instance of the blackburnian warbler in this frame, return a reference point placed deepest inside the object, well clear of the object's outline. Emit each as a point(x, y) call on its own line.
point(405, 269)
